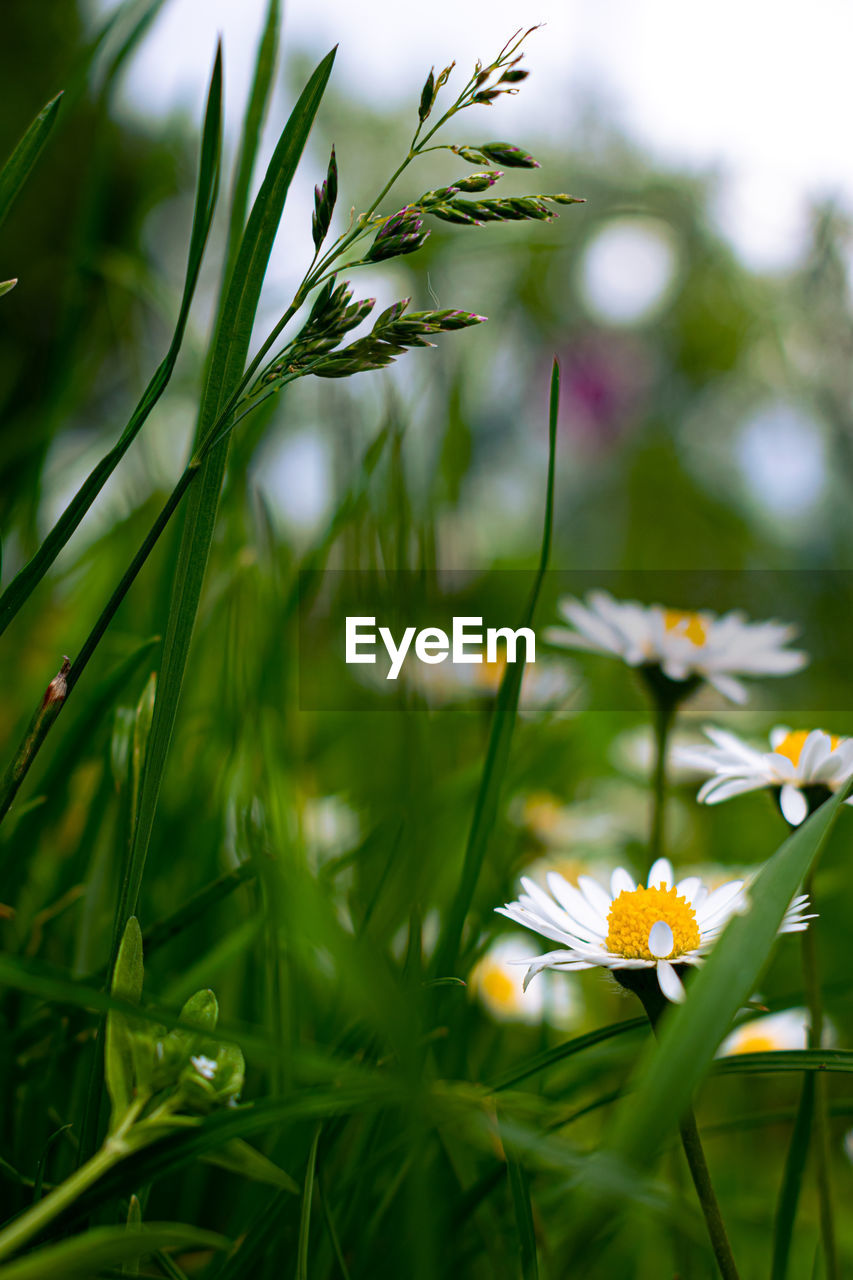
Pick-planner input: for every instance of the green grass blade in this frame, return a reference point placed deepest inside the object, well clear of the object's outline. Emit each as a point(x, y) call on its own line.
point(500, 737)
point(139, 23)
point(51, 985)
point(519, 1185)
point(305, 1215)
point(215, 1131)
point(230, 350)
point(85, 1255)
point(255, 1243)
point(25, 582)
point(18, 167)
point(163, 931)
point(119, 1072)
point(785, 1060)
point(238, 1157)
point(256, 111)
point(792, 1181)
point(550, 1057)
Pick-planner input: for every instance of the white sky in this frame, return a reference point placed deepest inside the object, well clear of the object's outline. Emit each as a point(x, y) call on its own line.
point(760, 89)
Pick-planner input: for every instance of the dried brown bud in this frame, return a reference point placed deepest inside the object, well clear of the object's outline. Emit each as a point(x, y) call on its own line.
point(57, 690)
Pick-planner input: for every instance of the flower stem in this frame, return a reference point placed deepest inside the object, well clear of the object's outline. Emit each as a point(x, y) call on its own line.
point(36, 1218)
point(811, 983)
point(717, 1233)
point(643, 983)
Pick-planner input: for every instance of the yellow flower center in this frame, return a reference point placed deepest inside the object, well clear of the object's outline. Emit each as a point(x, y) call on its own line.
point(632, 914)
point(755, 1043)
point(686, 624)
point(499, 987)
point(792, 744)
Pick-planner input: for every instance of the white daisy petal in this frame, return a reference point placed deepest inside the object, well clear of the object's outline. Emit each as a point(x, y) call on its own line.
point(575, 904)
point(731, 745)
point(689, 888)
point(730, 688)
point(661, 872)
point(816, 750)
point(670, 983)
point(719, 789)
point(565, 639)
point(599, 899)
point(620, 881)
point(722, 899)
point(661, 940)
point(793, 804)
point(513, 911)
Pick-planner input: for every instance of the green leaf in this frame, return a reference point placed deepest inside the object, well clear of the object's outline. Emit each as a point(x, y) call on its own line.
point(785, 1060)
point(85, 1255)
point(256, 111)
point(305, 1216)
point(134, 1220)
point(230, 351)
point(17, 168)
point(6, 286)
point(500, 736)
point(220, 1127)
point(239, 1157)
point(550, 1057)
point(202, 1010)
point(25, 582)
point(519, 1185)
point(120, 1058)
point(128, 972)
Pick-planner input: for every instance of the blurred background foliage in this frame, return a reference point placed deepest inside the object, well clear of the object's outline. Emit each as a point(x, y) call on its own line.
point(705, 424)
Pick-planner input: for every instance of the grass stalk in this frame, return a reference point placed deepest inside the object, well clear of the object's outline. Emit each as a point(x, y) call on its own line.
point(814, 1003)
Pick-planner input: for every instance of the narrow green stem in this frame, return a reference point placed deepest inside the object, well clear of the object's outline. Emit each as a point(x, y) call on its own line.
point(36, 1218)
point(823, 1159)
point(37, 730)
point(643, 982)
point(114, 1150)
point(717, 1233)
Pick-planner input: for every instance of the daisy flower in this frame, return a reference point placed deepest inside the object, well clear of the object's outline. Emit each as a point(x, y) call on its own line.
point(797, 763)
point(683, 645)
point(662, 925)
point(786, 1030)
